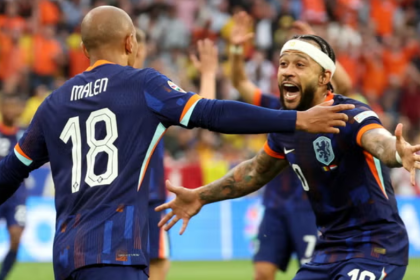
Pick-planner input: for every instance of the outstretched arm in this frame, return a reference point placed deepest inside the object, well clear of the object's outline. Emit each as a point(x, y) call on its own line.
point(244, 179)
point(393, 151)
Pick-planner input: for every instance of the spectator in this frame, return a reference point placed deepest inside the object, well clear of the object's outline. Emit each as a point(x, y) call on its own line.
point(376, 41)
point(47, 58)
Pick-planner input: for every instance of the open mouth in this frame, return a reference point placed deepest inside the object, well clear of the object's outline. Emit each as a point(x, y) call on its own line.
point(290, 91)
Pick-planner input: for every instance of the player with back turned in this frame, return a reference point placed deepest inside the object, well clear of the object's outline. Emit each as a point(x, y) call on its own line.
point(99, 130)
point(345, 175)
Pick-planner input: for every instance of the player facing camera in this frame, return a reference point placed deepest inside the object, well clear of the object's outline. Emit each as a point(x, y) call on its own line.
point(306, 67)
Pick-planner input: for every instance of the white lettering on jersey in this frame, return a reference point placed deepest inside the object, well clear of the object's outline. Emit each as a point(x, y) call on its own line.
point(364, 115)
point(89, 90)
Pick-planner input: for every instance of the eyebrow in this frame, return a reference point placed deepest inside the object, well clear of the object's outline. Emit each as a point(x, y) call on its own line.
point(300, 55)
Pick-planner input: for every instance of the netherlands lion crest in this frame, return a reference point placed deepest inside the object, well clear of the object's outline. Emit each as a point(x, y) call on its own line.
point(323, 150)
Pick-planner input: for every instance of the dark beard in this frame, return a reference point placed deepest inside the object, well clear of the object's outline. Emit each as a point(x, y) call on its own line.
point(306, 100)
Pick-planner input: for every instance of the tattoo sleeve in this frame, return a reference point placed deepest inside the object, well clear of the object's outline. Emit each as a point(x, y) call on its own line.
point(381, 144)
point(244, 179)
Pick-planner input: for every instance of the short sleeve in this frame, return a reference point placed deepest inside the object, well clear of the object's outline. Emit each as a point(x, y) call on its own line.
point(273, 147)
point(31, 149)
point(171, 104)
point(361, 120)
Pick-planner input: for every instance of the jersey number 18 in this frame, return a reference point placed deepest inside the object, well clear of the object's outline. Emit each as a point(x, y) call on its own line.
point(106, 145)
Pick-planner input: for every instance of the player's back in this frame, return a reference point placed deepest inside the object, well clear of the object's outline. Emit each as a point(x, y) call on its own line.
point(350, 190)
point(100, 132)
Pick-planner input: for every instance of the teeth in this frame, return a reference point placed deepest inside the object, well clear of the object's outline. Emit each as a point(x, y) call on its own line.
point(289, 85)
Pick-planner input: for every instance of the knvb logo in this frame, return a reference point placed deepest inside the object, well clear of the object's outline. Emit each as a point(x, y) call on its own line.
point(323, 150)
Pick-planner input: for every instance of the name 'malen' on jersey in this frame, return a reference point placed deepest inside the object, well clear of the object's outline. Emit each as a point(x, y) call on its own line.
point(99, 160)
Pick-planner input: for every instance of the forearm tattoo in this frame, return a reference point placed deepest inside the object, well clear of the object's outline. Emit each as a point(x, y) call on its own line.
point(381, 144)
point(244, 179)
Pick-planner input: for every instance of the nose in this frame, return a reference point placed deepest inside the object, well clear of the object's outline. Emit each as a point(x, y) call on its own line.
point(286, 72)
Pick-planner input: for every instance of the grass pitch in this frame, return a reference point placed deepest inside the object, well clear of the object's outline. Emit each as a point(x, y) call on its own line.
point(220, 270)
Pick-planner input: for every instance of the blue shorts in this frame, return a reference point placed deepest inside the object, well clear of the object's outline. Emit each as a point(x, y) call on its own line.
point(282, 233)
point(100, 272)
point(13, 213)
point(158, 238)
point(359, 269)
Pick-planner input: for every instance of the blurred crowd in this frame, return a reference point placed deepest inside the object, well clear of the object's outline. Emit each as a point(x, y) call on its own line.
point(377, 42)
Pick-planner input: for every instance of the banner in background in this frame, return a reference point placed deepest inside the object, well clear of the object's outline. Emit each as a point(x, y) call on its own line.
point(222, 231)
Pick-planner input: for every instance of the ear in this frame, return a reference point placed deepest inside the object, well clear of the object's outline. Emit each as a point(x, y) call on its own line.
point(129, 44)
point(85, 52)
point(325, 78)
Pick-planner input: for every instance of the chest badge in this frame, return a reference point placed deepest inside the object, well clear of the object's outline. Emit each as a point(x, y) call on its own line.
point(323, 150)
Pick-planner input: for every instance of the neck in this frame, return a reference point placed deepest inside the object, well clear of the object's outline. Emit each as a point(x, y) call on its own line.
point(113, 57)
point(321, 97)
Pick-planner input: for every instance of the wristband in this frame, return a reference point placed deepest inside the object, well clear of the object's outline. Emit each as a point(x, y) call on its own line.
point(398, 158)
point(236, 49)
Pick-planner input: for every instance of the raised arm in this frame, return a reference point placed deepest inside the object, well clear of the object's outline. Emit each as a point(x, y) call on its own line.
point(207, 65)
point(239, 36)
point(393, 151)
point(244, 179)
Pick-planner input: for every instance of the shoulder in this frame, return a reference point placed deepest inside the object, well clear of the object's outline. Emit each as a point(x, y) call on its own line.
point(152, 73)
point(142, 74)
point(361, 111)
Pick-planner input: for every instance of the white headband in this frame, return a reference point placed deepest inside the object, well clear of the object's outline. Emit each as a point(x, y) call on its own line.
point(316, 54)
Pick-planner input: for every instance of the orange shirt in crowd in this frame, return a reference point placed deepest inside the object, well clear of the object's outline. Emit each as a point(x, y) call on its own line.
point(395, 63)
point(45, 53)
point(347, 11)
point(49, 12)
point(382, 14)
point(412, 48)
point(314, 11)
point(350, 64)
point(12, 58)
point(5, 47)
point(375, 77)
point(17, 24)
point(78, 62)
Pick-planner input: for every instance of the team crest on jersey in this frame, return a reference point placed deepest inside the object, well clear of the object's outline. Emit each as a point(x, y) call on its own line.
point(323, 150)
point(175, 87)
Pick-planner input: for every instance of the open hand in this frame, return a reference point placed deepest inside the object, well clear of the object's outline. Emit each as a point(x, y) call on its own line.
point(207, 62)
point(242, 23)
point(408, 153)
point(323, 118)
point(184, 207)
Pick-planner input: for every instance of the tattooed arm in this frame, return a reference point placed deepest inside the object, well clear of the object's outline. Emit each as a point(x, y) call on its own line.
point(380, 143)
point(245, 178)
